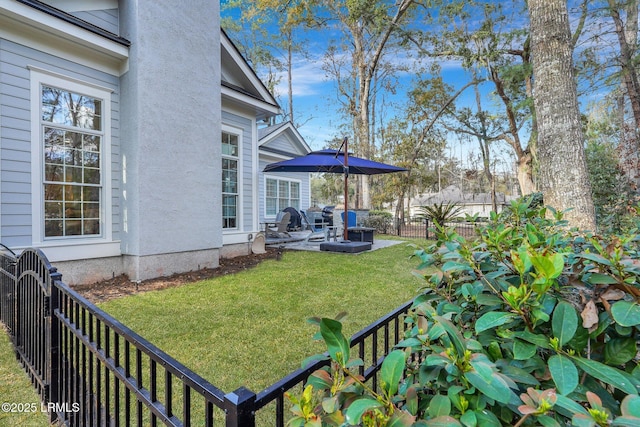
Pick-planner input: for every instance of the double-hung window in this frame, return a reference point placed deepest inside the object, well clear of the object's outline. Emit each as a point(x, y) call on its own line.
point(72, 138)
point(230, 161)
point(280, 194)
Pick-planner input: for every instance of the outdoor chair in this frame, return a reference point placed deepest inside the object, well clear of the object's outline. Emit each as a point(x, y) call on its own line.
point(281, 223)
point(320, 230)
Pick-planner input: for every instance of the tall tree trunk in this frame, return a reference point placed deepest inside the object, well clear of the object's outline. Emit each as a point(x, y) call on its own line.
point(627, 42)
point(289, 74)
point(563, 168)
point(524, 165)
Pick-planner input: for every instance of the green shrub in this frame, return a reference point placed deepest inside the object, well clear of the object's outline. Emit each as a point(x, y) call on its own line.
point(531, 324)
point(382, 221)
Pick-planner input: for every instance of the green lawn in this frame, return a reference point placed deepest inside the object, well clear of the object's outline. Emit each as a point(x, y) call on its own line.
point(15, 388)
point(250, 329)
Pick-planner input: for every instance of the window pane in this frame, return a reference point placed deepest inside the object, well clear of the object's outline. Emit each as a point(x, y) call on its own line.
point(72, 178)
point(72, 228)
point(229, 145)
point(229, 212)
point(271, 207)
point(71, 109)
point(53, 228)
point(295, 190)
point(272, 188)
point(52, 210)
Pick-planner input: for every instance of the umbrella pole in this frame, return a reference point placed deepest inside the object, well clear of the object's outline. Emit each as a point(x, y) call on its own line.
point(345, 143)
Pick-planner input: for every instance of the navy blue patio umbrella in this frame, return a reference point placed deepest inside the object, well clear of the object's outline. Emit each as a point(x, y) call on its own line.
point(334, 161)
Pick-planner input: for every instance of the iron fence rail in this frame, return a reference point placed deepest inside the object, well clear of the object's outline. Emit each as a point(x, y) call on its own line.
point(91, 370)
point(421, 228)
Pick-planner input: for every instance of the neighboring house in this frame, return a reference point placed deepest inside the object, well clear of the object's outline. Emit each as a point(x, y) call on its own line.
point(282, 190)
point(471, 203)
point(128, 136)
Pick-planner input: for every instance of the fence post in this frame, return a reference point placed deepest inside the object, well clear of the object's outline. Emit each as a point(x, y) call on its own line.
point(54, 341)
point(426, 228)
point(240, 408)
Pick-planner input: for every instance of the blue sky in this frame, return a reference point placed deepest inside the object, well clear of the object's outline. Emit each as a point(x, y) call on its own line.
point(316, 108)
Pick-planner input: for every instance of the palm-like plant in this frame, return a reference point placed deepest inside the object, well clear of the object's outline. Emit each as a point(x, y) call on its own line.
point(439, 213)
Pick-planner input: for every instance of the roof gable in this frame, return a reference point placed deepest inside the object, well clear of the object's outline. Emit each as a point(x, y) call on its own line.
point(240, 82)
point(282, 140)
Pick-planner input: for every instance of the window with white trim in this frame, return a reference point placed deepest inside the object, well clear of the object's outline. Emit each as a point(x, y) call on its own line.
point(280, 194)
point(230, 162)
point(72, 137)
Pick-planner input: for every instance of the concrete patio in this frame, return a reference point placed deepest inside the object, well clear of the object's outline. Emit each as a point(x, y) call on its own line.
point(297, 242)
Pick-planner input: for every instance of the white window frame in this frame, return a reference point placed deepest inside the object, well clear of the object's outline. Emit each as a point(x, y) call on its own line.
point(279, 179)
point(70, 247)
point(239, 134)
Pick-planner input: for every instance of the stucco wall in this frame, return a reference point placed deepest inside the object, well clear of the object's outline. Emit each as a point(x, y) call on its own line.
point(171, 116)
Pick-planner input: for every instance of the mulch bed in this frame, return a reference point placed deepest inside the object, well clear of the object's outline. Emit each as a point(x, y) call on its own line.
point(121, 286)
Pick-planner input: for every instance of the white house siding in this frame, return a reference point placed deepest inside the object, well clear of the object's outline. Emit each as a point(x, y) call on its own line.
point(105, 19)
point(15, 137)
point(283, 144)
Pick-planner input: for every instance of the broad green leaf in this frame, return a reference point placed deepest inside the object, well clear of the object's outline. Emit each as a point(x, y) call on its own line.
point(547, 421)
point(626, 313)
point(312, 359)
point(618, 351)
point(519, 375)
point(630, 406)
point(337, 344)
point(626, 421)
point(569, 405)
point(487, 418)
point(359, 407)
point(443, 422)
point(537, 339)
point(330, 404)
point(549, 266)
point(454, 334)
point(488, 299)
point(492, 388)
point(391, 371)
point(483, 367)
point(401, 419)
point(607, 374)
point(454, 395)
point(450, 266)
point(581, 420)
point(412, 400)
point(469, 419)
point(523, 350)
point(595, 258)
point(320, 380)
point(601, 279)
point(564, 322)
point(439, 406)
point(493, 319)
point(409, 342)
point(435, 360)
point(564, 373)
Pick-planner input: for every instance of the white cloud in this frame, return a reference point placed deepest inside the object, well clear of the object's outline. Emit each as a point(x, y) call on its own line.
point(307, 76)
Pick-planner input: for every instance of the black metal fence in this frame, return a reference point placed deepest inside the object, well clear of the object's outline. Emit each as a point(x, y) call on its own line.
point(91, 370)
point(422, 228)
